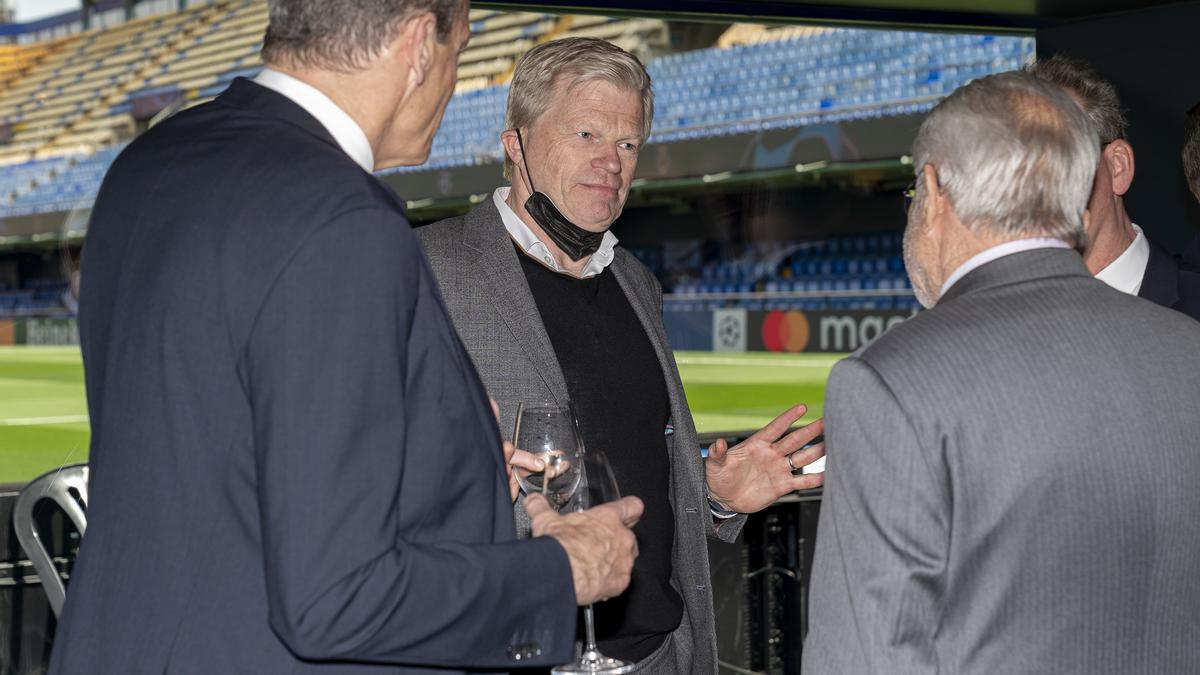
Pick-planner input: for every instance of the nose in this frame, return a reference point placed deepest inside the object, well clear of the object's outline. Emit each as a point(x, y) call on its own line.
point(607, 158)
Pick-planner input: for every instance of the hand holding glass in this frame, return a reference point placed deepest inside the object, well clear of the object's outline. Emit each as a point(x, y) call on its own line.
point(548, 432)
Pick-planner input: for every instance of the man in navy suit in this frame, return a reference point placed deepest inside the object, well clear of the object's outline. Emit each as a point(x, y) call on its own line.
point(294, 465)
point(1118, 252)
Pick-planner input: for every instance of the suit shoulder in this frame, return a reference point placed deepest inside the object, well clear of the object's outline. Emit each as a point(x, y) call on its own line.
point(441, 240)
point(214, 137)
point(442, 230)
point(918, 328)
point(1189, 288)
point(1181, 320)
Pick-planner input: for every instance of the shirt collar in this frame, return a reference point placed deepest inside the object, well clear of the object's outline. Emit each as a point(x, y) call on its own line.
point(349, 136)
point(1126, 272)
point(535, 248)
point(999, 251)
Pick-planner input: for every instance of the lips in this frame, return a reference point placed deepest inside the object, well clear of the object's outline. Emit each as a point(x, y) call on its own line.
point(606, 189)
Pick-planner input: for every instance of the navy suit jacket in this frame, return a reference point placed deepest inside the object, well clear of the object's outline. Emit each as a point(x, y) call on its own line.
point(1171, 283)
point(294, 465)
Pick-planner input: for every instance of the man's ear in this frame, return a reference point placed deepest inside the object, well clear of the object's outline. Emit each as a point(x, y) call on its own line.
point(511, 147)
point(413, 46)
point(1118, 155)
point(934, 202)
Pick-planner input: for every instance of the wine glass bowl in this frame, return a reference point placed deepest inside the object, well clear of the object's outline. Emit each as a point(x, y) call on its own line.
point(548, 431)
point(597, 483)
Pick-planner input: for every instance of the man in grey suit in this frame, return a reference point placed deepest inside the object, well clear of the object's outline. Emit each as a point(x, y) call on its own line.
point(550, 309)
point(1012, 473)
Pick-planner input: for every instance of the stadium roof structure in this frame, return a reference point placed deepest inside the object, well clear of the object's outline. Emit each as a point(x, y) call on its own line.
point(991, 15)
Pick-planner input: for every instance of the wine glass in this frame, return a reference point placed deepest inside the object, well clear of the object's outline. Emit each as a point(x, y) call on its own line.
point(597, 486)
point(549, 431)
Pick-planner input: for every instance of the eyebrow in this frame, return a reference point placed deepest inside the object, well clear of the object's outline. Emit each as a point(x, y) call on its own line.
point(578, 122)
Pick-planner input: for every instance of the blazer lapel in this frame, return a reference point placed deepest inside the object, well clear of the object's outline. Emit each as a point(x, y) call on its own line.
point(500, 275)
point(648, 315)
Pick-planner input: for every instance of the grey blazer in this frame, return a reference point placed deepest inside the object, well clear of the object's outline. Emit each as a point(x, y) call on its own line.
point(495, 314)
point(1012, 485)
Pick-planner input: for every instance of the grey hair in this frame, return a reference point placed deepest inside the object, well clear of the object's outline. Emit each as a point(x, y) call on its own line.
point(575, 60)
point(1191, 150)
point(1015, 156)
point(345, 35)
point(1096, 95)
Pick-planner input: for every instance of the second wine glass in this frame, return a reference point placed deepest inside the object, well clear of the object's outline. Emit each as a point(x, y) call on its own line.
point(597, 485)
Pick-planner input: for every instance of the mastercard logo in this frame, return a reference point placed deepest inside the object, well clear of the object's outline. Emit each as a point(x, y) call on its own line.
point(785, 331)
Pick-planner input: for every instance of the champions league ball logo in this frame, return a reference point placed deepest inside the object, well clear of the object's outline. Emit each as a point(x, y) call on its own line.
point(729, 330)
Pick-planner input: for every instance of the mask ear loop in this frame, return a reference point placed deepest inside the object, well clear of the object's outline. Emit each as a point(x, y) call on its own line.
point(528, 177)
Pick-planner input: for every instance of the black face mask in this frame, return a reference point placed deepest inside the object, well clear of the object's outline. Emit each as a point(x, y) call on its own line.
point(573, 240)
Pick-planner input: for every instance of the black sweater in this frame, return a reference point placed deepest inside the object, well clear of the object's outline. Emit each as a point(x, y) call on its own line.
point(616, 384)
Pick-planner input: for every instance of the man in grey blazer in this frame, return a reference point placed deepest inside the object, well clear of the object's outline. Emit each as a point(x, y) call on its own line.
point(550, 309)
point(1012, 473)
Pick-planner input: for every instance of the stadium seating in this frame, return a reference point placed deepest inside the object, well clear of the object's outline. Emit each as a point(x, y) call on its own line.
point(813, 76)
point(830, 76)
point(38, 297)
point(15, 60)
point(76, 96)
point(18, 180)
point(73, 185)
point(862, 271)
point(61, 105)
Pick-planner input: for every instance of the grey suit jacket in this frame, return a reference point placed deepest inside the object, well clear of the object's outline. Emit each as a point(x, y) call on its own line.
point(495, 314)
point(1012, 485)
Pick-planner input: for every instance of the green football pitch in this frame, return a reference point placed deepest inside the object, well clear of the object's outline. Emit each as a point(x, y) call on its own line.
point(43, 412)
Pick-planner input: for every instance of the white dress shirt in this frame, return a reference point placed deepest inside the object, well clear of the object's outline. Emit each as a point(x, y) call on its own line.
point(1126, 272)
point(349, 136)
point(999, 251)
point(533, 247)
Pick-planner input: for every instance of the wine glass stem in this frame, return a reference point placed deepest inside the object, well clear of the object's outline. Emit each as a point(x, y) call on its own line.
point(589, 630)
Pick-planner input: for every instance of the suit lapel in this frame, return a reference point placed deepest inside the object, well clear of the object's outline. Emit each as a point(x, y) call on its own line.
point(641, 299)
point(500, 274)
point(648, 315)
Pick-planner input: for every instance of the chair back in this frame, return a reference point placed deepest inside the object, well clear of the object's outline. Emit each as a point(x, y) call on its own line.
point(68, 487)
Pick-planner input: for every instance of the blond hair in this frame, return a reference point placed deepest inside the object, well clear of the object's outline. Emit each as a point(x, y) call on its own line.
point(575, 60)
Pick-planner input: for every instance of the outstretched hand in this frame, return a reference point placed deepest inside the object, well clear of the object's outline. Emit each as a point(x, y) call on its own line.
point(751, 475)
